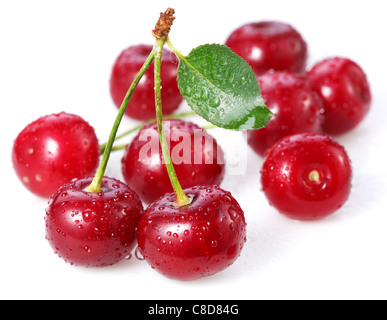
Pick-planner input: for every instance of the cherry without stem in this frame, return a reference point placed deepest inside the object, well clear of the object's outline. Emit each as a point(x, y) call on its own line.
point(307, 176)
point(345, 92)
point(93, 229)
point(270, 45)
point(197, 159)
point(191, 242)
point(142, 104)
point(53, 150)
point(296, 108)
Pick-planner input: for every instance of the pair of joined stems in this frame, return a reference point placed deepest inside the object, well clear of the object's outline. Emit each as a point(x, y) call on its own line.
point(156, 56)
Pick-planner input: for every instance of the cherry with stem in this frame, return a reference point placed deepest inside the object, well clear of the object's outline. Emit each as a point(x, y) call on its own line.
point(181, 197)
point(95, 186)
point(92, 222)
point(190, 233)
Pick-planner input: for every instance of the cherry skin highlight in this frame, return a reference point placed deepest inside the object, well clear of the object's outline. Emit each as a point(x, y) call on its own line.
point(53, 150)
point(296, 108)
point(191, 242)
point(142, 103)
point(345, 92)
point(93, 229)
point(307, 176)
point(270, 45)
point(196, 156)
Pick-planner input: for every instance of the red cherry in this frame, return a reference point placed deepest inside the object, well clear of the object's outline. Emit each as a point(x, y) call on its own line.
point(269, 45)
point(53, 150)
point(142, 103)
point(194, 241)
point(307, 176)
point(296, 109)
point(345, 92)
point(196, 156)
point(93, 229)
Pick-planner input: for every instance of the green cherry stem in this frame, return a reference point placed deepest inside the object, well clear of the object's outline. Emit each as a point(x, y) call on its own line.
point(103, 146)
point(95, 185)
point(181, 197)
point(174, 50)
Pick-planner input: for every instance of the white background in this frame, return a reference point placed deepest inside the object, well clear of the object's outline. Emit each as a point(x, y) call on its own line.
point(57, 56)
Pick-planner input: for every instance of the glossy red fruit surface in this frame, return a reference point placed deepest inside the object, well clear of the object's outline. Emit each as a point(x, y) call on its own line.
point(270, 45)
point(307, 176)
point(53, 150)
point(142, 103)
point(345, 91)
point(93, 229)
point(195, 241)
point(196, 156)
point(296, 109)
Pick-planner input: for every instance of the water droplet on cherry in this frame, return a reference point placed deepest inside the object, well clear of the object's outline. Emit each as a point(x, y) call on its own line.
point(138, 254)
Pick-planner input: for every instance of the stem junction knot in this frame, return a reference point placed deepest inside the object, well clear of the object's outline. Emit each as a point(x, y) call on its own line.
point(163, 25)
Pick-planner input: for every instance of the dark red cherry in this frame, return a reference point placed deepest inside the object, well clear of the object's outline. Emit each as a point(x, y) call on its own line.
point(345, 92)
point(93, 229)
point(307, 176)
point(196, 156)
point(296, 108)
point(194, 241)
point(53, 150)
point(142, 103)
point(270, 45)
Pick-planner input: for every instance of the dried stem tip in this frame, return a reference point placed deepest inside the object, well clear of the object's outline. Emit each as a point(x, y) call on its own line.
point(164, 24)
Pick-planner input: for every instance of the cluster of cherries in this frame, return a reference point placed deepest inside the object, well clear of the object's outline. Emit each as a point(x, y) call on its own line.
point(306, 174)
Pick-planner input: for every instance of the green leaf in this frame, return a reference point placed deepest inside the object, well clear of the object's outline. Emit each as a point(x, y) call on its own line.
point(222, 88)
